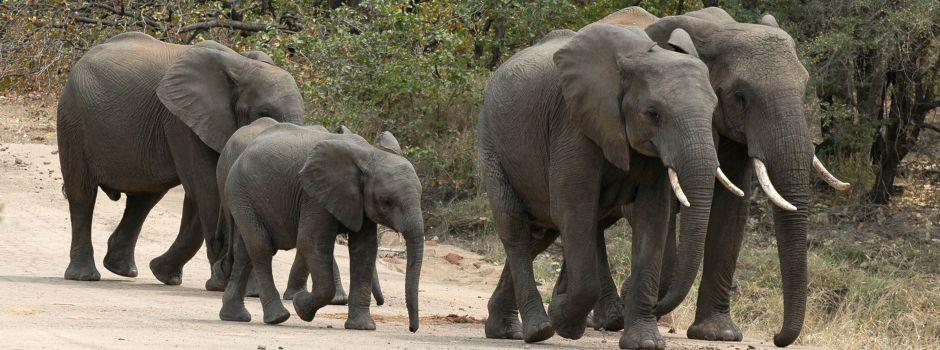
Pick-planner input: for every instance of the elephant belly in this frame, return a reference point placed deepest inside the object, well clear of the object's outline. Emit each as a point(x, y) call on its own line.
point(130, 153)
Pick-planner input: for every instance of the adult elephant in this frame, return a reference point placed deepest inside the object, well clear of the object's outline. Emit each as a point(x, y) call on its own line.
point(140, 116)
point(760, 84)
point(571, 129)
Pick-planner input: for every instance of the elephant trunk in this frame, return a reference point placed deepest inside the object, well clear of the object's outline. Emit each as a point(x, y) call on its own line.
point(787, 151)
point(695, 165)
point(414, 241)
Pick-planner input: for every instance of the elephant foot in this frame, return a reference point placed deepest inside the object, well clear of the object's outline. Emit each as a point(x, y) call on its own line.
point(82, 270)
point(360, 320)
point(340, 298)
point(608, 314)
point(504, 327)
point(565, 326)
point(289, 292)
point(120, 263)
point(718, 326)
point(305, 306)
point(235, 312)
point(214, 284)
point(171, 276)
point(642, 334)
point(536, 331)
point(275, 312)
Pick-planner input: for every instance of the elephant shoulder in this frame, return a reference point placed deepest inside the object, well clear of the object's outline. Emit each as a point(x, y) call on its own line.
point(633, 16)
point(556, 35)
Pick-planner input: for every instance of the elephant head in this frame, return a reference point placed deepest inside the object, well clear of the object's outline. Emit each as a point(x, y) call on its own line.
point(353, 180)
point(626, 92)
point(215, 92)
point(760, 84)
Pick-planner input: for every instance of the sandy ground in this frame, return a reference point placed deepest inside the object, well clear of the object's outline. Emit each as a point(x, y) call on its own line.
point(39, 309)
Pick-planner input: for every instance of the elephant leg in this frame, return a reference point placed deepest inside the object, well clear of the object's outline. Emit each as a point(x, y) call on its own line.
point(573, 300)
point(315, 242)
point(503, 320)
point(608, 312)
point(257, 240)
point(121, 244)
point(81, 195)
point(363, 248)
point(722, 245)
point(376, 287)
point(196, 166)
point(233, 301)
point(168, 267)
point(650, 222)
point(340, 298)
point(297, 281)
point(669, 253)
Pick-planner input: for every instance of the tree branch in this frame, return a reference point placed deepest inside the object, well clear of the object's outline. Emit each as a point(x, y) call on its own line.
point(221, 23)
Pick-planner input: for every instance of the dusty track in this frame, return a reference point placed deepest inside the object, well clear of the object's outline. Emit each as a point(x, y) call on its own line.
point(39, 309)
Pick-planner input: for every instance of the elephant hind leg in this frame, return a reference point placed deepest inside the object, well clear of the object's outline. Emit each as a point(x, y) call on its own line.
point(168, 268)
point(120, 256)
point(80, 190)
point(233, 301)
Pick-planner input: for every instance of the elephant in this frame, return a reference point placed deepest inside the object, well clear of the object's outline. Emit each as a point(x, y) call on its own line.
point(297, 187)
point(571, 129)
point(298, 276)
point(760, 84)
point(140, 116)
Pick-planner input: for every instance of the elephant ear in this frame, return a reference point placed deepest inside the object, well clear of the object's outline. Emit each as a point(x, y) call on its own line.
point(199, 88)
point(258, 56)
point(332, 175)
point(388, 142)
point(769, 20)
point(682, 42)
point(700, 32)
point(591, 84)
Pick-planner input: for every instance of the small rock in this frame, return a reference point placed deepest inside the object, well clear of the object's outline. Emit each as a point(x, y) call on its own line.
point(121, 339)
point(55, 151)
point(261, 347)
point(46, 162)
point(477, 264)
point(453, 258)
point(749, 346)
point(17, 161)
point(329, 326)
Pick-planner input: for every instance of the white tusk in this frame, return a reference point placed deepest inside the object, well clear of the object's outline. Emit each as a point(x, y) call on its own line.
point(768, 187)
point(728, 184)
point(674, 181)
point(828, 177)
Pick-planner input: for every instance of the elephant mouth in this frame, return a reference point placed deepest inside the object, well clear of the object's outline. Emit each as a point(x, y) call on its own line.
point(680, 195)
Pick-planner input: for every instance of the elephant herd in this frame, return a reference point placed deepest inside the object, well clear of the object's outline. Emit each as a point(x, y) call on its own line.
point(628, 117)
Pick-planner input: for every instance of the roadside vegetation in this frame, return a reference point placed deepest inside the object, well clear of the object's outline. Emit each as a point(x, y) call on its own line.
point(418, 68)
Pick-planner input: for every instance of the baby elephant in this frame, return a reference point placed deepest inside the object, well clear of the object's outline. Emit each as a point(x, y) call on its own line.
point(296, 187)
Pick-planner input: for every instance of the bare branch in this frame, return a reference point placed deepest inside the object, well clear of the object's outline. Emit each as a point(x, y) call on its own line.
point(221, 23)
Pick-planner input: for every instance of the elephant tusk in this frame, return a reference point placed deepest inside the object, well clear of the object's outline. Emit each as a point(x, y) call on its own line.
point(728, 184)
point(674, 181)
point(828, 177)
point(768, 187)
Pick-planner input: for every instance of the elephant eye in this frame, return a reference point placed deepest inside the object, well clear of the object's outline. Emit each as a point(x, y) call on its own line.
point(386, 203)
point(653, 115)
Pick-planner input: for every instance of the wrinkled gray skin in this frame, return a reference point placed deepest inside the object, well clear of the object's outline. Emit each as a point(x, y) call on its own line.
point(222, 268)
point(760, 84)
point(297, 187)
point(573, 128)
point(139, 116)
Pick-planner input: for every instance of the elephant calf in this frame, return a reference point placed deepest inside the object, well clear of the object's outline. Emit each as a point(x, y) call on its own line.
point(222, 239)
point(297, 187)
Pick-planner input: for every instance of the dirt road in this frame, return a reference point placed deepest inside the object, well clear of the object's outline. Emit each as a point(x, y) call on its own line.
point(39, 309)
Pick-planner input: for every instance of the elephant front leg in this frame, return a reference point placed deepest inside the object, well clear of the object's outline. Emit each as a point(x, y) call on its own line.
point(363, 248)
point(168, 267)
point(722, 246)
point(608, 312)
point(121, 244)
point(315, 242)
point(649, 220)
